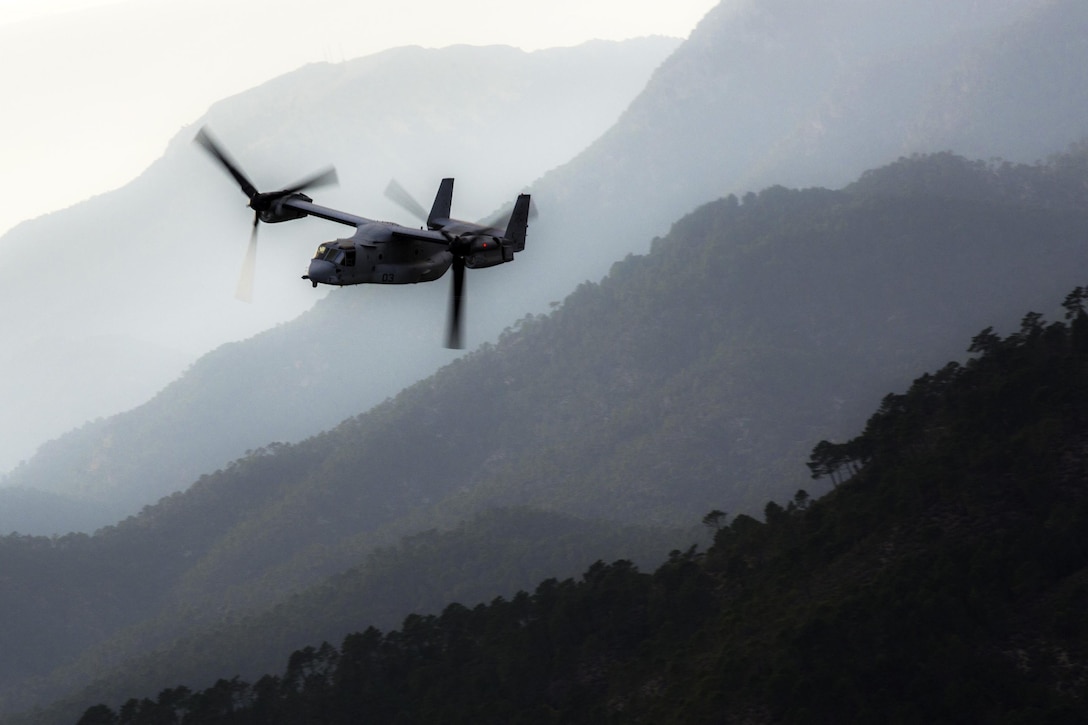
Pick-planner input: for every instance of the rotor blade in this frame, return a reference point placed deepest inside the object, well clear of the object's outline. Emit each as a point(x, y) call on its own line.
point(453, 332)
point(400, 196)
point(321, 178)
point(244, 291)
point(205, 139)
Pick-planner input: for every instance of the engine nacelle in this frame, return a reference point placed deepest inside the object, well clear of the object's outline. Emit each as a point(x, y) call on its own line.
point(275, 211)
point(488, 252)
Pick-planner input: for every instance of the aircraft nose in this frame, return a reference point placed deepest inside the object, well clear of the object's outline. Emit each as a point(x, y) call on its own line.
point(321, 271)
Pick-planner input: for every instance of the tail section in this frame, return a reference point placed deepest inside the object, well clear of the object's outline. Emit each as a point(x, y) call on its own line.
point(443, 201)
point(518, 224)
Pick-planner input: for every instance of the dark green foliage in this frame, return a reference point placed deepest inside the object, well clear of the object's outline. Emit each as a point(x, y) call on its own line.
point(943, 582)
point(541, 657)
point(497, 552)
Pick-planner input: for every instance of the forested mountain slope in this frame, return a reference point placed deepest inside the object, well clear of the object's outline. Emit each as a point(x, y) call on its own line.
point(942, 581)
point(696, 377)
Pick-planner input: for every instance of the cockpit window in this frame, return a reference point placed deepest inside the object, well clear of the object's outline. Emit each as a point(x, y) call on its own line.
point(329, 253)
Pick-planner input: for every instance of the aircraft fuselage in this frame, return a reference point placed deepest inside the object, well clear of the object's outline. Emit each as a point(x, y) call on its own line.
point(379, 254)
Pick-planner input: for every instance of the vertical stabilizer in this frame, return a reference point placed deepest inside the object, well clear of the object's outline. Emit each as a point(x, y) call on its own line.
point(443, 200)
point(519, 223)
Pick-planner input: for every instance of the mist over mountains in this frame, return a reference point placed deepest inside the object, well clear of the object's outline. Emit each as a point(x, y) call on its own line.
point(705, 125)
point(721, 335)
point(788, 92)
point(140, 280)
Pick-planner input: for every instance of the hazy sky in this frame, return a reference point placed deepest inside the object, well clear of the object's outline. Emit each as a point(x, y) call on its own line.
point(93, 89)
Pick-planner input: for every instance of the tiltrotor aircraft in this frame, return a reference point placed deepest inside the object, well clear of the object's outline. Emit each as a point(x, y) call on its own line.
point(382, 252)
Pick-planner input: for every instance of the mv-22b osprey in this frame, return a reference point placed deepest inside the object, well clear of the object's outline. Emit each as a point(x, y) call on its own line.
point(383, 252)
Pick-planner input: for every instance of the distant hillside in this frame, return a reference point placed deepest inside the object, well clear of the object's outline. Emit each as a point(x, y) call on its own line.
point(696, 377)
point(762, 93)
point(942, 581)
point(789, 93)
point(784, 92)
point(857, 287)
point(140, 280)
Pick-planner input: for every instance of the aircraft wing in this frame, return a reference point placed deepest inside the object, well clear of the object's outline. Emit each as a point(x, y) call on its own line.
point(395, 232)
point(324, 212)
point(405, 234)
